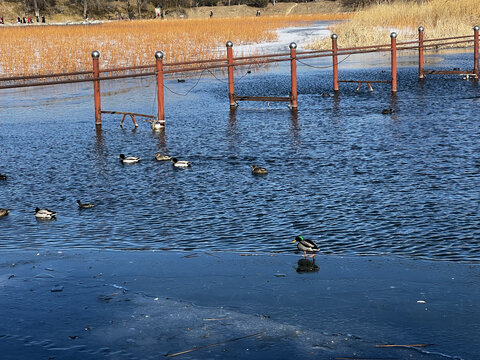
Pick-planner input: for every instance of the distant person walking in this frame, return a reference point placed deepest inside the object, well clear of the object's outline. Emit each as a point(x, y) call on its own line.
point(258, 12)
point(211, 13)
point(43, 19)
point(1, 21)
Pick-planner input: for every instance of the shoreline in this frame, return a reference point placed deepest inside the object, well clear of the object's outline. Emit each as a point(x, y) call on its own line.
point(146, 304)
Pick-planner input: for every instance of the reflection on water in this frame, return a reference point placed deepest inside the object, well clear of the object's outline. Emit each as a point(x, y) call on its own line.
point(352, 179)
point(306, 265)
point(162, 140)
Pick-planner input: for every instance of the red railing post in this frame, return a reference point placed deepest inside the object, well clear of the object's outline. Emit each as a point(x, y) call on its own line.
point(231, 85)
point(420, 52)
point(393, 37)
point(335, 62)
point(475, 51)
point(160, 94)
point(293, 68)
point(96, 88)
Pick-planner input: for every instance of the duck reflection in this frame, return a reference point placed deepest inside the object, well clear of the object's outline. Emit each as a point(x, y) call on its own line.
point(306, 265)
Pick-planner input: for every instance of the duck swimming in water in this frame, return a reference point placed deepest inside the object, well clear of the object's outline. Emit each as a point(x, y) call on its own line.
point(4, 212)
point(84, 206)
point(256, 170)
point(162, 157)
point(3, 177)
point(45, 214)
point(128, 159)
point(306, 245)
point(180, 163)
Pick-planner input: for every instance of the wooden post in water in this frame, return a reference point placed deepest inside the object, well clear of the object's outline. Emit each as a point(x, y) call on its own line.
point(96, 88)
point(475, 51)
point(231, 85)
point(393, 37)
point(293, 68)
point(335, 62)
point(160, 95)
point(420, 52)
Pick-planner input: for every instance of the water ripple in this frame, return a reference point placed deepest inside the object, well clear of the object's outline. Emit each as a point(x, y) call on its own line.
point(340, 172)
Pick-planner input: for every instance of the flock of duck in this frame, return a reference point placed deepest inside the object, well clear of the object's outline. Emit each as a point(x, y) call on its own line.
point(304, 245)
point(49, 214)
point(256, 170)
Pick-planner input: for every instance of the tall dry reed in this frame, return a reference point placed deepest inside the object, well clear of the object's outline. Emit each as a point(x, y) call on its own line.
point(28, 50)
point(372, 25)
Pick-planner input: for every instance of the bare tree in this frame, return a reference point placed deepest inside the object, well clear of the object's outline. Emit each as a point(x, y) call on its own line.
point(85, 8)
point(35, 8)
point(140, 4)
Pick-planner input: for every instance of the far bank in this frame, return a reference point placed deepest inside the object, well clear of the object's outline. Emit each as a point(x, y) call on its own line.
point(67, 12)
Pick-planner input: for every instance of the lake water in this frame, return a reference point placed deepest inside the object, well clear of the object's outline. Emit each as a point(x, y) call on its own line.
point(340, 172)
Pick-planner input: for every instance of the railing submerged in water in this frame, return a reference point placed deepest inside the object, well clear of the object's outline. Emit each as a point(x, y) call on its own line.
point(160, 69)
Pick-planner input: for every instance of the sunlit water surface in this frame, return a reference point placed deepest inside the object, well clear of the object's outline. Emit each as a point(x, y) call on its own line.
point(340, 172)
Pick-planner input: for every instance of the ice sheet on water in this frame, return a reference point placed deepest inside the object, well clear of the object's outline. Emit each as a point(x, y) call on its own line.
point(302, 36)
point(160, 326)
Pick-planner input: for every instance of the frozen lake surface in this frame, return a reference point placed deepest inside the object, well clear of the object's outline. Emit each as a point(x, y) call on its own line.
point(88, 304)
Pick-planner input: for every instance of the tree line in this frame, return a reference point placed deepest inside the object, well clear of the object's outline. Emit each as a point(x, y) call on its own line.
point(136, 8)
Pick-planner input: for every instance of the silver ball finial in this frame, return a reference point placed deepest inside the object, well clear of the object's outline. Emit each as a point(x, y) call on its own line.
point(421, 28)
point(334, 36)
point(475, 28)
point(159, 55)
point(393, 35)
point(95, 54)
point(229, 44)
point(293, 45)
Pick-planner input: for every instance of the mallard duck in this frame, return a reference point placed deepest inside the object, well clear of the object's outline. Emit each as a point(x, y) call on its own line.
point(256, 170)
point(3, 177)
point(128, 159)
point(158, 125)
point(180, 163)
point(306, 245)
point(162, 157)
point(45, 213)
point(84, 206)
point(4, 212)
point(387, 111)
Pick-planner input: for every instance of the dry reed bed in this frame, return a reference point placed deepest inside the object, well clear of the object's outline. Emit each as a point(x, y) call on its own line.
point(372, 25)
point(53, 49)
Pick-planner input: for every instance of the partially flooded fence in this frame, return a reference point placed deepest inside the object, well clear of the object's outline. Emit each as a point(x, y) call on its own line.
point(160, 69)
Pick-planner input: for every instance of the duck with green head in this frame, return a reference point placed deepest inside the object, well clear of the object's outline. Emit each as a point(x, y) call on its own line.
point(306, 245)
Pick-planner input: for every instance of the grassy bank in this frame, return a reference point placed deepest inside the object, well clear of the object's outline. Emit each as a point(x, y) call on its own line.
point(372, 25)
point(53, 49)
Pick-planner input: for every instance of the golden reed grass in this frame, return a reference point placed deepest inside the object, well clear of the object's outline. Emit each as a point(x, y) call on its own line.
point(372, 25)
point(31, 50)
